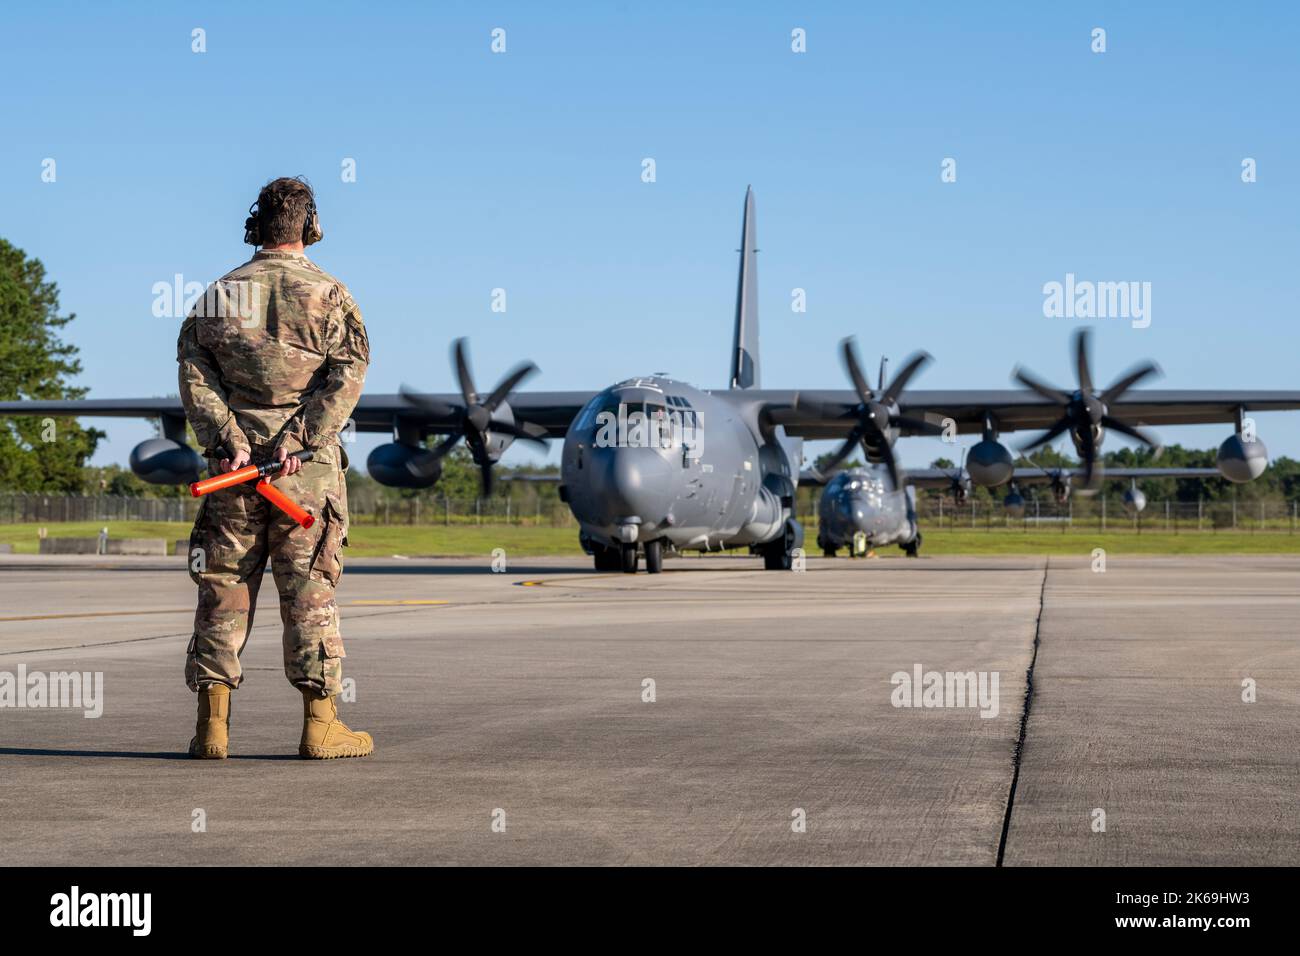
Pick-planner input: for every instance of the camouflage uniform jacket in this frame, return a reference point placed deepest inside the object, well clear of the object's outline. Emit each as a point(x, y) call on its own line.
point(274, 354)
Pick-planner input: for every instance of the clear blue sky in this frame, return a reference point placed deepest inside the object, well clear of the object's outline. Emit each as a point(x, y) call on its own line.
point(523, 171)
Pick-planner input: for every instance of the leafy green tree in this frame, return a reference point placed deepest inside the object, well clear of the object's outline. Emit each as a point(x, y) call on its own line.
point(37, 454)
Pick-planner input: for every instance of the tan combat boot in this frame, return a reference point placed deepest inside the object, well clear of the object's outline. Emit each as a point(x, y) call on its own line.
point(325, 736)
point(212, 732)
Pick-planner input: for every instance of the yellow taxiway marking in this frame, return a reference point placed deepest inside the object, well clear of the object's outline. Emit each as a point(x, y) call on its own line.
point(182, 610)
point(55, 617)
point(394, 603)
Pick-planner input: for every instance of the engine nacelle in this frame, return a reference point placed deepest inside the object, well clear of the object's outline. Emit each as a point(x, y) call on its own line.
point(1240, 460)
point(161, 461)
point(1015, 503)
point(1134, 501)
point(989, 463)
point(391, 465)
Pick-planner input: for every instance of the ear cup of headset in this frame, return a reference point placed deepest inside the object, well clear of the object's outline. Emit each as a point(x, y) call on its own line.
point(252, 230)
point(311, 231)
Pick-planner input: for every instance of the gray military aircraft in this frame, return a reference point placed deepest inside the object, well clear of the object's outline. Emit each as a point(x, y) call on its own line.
point(653, 465)
point(860, 510)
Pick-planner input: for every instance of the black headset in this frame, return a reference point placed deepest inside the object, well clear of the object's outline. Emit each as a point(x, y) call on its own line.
point(311, 230)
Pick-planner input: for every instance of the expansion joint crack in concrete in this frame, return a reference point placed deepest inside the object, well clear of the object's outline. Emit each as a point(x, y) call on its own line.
point(1024, 716)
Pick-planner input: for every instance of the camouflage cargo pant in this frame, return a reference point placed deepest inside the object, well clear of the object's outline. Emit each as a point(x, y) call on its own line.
point(236, 532)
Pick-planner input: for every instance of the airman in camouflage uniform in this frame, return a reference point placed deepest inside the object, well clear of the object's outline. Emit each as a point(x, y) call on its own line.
point(272, 361)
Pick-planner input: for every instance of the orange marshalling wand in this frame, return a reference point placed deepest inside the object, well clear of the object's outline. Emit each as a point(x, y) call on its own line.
point(277, 498)
point(263, 487)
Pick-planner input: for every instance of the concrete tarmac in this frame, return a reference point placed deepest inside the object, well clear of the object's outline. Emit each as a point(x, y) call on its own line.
point(513, 718)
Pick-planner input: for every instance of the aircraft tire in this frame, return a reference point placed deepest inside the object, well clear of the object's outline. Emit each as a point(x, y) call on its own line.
point(777, 558)
point(778, 555)
point(912, 548)
point(628, 558)
point(654, 557)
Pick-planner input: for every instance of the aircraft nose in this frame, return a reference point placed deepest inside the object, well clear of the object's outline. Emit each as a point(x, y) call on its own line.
point(633, 484)
point(867, 520)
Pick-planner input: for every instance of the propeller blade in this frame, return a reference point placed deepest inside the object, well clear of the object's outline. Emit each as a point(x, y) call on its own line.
point(509, 428)
point(1124, 428)
point(426, 463)
point(1127, 381)
point(1047, 391)
point(425, 403)
point(854, 368)
point(1088, 453)
point(1089, 463)
point(841, 453)
point(508, 385)
point(461, 362)
point(1031, 462)
point(1081, 339)
point(485, 477)
point(1048, 435)
point(887, 453)
point(913, 365)
point(960, 473)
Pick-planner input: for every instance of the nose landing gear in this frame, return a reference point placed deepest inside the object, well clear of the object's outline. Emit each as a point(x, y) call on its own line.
point(625, 557)
point(654, 557)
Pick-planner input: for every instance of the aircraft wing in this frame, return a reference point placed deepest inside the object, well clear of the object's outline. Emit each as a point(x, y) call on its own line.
point(830, 414)
point(804, 414)
point(943, 477)
point(548, 414)
point(95, 408)
point(1032, 475)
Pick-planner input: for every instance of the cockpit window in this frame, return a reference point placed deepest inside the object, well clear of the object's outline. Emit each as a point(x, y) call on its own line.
point(635, 420)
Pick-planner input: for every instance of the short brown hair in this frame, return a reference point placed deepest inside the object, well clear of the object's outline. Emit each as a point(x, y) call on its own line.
point(282, 208)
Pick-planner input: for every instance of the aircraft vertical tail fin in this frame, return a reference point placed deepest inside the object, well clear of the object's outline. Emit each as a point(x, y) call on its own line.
point(744, 350)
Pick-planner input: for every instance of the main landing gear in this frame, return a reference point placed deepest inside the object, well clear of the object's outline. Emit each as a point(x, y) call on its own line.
point(912, 547)
point(778, 555)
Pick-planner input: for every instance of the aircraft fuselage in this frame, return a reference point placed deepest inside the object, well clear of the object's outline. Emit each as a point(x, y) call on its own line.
point(860, 502)
point(652, 459)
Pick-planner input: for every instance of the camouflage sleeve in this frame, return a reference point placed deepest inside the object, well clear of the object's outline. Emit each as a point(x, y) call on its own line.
point(327, 409)
point(204, 397)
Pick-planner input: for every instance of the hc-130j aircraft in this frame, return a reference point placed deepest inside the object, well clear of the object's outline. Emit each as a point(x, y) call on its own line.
point(859, 508)
point(652, 464)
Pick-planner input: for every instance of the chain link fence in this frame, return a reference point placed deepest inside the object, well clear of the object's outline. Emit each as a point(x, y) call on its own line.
point(19, 508)
point(1108, 513)
point(34, 508)
point(1104, 513)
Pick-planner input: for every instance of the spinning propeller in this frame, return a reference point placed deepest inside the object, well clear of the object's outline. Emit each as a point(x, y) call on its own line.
point(877, 414)
point(1085, 412)
point(473, 420)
